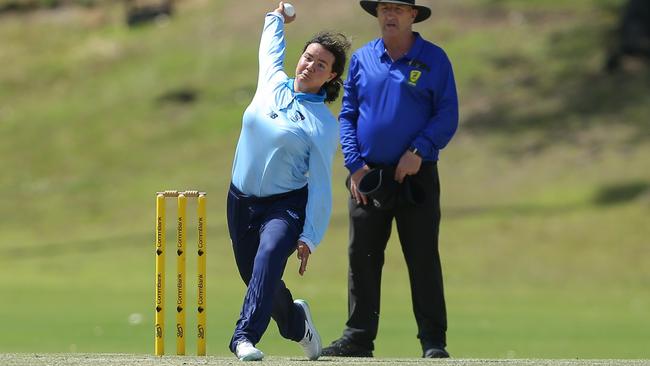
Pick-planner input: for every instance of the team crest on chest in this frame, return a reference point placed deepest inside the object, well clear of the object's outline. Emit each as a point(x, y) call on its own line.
point(414, 77)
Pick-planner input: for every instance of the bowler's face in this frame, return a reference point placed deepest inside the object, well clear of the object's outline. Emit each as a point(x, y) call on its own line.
point(314, 68)
point(395, 18)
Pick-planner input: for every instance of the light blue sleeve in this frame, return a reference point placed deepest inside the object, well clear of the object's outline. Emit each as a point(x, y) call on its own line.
point(272, 50)
point(319, 201)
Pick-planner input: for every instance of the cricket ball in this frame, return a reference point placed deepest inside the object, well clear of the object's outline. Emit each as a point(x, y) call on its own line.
point(289, 10)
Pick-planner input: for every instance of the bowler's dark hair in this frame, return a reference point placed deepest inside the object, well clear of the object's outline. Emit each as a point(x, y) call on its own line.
point(338, 45)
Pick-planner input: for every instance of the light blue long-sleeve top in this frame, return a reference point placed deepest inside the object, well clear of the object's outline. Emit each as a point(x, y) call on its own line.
point(288, 139)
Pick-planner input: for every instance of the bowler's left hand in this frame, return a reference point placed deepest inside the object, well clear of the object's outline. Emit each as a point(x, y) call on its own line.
point(409, 164)
point(303, 255)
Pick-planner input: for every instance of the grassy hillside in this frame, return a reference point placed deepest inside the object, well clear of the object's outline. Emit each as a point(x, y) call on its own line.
point(546, 187)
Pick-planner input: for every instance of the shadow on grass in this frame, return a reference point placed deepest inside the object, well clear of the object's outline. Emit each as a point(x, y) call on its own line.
point(621, 193)
point(605, 196)
point(552, 100)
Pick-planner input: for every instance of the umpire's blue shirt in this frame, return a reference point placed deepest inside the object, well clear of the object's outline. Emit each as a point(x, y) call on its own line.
point(288, 139)
point(389, 106)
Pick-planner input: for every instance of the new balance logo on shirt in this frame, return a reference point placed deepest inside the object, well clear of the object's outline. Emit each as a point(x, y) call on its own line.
point(295, 118)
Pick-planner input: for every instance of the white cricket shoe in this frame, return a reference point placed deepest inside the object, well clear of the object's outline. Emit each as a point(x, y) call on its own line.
point(245, 351)
point(311, 342)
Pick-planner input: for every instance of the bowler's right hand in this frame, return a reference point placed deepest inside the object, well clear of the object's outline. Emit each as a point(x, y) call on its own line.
point(355, 179)
point(280, 10)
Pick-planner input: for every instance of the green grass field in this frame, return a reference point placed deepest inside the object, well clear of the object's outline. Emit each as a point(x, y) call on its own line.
point(546, 187)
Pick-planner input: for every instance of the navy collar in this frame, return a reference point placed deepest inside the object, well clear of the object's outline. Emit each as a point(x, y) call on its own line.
point(309, 97)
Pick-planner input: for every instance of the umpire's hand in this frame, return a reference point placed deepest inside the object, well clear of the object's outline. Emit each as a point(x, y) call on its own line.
point(409, 164)
point(355, 179)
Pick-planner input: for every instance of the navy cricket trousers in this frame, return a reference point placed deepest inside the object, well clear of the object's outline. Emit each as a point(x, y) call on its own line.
point(264, 233)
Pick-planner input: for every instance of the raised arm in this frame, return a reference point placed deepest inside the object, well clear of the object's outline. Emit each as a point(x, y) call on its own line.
point(272, 46)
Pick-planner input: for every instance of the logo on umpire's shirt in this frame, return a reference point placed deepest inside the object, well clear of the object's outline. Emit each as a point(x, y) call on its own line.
point(273, 115)
point(414, 77)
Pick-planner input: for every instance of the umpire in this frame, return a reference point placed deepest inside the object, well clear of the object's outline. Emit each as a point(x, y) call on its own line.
point(399, 109)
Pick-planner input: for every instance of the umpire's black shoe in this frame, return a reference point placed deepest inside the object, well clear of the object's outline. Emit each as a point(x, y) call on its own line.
point(345, 348)
point(435, 353)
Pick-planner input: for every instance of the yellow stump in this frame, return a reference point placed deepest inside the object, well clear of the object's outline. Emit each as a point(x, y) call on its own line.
point(180, 276)
point(201, 276)
point(159, 344)
point(181, 271)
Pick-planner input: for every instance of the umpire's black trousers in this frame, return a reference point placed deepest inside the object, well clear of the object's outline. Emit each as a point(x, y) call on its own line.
point(417, 226)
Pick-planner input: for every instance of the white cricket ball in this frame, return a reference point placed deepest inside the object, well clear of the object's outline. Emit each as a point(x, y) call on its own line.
point(289, 10)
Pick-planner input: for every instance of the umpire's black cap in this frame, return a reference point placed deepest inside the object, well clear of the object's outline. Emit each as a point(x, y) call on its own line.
point(380, 186)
